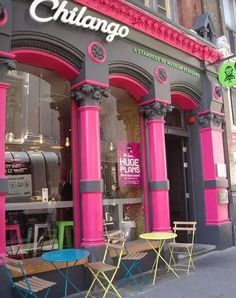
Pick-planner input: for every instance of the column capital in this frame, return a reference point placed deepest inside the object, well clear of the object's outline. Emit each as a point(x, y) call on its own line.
point(155, 110)
point(89, 95)
point(210, 119)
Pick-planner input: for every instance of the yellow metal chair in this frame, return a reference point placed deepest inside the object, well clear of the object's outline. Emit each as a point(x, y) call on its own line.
point(103, 272)
point(183, 228)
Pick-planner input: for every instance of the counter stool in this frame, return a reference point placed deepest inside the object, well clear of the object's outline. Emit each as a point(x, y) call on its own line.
point(37, 227)
point(62, 229)
point(14, 228)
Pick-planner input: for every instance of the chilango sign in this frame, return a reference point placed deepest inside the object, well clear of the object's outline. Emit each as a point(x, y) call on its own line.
point(77, 18)
point(129, 164)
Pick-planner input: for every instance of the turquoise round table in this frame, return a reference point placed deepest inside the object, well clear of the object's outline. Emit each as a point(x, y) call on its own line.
point(66, 255)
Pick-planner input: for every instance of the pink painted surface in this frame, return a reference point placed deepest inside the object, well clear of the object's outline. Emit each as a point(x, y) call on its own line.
point(125, 82)
point(91, 56)
point(7, 55)
point(211, 111)
point(158, 77)
point(183, 101)
point(212, 153)
point(4, 19)
point(89, 82)
point(135, 17)
point(90, 143)
point(158, 172)
point(92, 207)
point(218, 147)
point(144, 103)
point(215, 213)
point(160, 211)
point(144, 171)
point(3, 92)
point(157, 150)
point(92, 213)
point(75, 171)
point(46, 60)
point(209, 170)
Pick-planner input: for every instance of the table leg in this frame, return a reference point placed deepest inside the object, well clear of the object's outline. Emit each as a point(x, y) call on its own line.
point(158, 255)
point(66, 279)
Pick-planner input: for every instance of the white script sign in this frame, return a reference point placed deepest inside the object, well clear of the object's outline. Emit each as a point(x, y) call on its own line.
point(77, 18)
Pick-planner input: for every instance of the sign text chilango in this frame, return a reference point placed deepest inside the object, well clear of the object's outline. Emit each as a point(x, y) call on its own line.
point(77, 18)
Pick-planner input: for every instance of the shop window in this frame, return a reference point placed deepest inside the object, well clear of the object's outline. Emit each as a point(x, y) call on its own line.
point(37, 160)
point(121, 157)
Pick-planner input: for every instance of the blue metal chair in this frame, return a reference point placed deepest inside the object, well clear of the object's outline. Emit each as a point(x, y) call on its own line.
point(28, 285)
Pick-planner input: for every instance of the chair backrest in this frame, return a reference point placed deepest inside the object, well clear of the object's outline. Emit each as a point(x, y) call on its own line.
point(12, 265)
point(186, 227)
point(117, 244)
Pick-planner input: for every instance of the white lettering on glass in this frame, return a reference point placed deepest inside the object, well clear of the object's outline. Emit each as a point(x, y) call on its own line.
point(77, 18)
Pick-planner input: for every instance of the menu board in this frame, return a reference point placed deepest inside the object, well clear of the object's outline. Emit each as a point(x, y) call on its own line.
point(19, 178)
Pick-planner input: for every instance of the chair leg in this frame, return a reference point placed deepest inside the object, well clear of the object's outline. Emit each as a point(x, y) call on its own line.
point(47, 293)
point(110, 285)
point(172, 258)
point(93, 282)
point(129, 275)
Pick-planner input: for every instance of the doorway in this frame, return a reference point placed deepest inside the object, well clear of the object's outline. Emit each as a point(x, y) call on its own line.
point(177, 174)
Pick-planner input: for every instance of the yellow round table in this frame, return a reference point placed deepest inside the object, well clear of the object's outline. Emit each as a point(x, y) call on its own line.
point(162, 237)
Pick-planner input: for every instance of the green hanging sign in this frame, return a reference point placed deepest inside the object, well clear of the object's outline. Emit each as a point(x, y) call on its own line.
point(227, 74)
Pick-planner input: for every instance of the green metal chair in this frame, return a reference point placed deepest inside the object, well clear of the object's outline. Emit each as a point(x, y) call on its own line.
point(64, 229)
point(28, 285)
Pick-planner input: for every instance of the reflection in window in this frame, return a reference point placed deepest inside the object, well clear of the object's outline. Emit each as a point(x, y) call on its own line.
point(120, 131)
point(37, 160)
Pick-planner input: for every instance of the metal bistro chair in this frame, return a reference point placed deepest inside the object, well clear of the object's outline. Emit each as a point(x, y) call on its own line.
point(103, 272)
point(130, 262)
point(183, 248)
point(26, 286)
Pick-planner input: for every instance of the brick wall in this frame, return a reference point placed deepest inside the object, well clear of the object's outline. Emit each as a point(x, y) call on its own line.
point(189, 11)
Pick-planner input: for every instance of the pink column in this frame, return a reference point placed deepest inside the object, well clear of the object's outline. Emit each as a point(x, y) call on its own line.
point(3, 180)
point(88, 98)
point(92, 208)
point(216, 210)
point(75, 171)
point(158, 184)
point(145, 181)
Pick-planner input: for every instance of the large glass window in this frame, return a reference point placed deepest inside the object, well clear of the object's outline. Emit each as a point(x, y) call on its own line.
point(121, 159)
point(37, 161)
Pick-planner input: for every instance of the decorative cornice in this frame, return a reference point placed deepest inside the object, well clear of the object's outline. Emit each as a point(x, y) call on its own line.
point(155, 110)
point(211, 120)
point(50, 48)
point(88, 95)
point(153, 26)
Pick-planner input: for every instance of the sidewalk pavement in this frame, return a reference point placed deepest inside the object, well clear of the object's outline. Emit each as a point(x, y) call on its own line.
point(215, 276)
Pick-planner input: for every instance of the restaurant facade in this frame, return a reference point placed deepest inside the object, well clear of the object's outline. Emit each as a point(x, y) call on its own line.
point(107, 111)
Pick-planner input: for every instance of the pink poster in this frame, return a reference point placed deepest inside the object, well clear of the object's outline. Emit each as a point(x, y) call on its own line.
point(129, 164)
